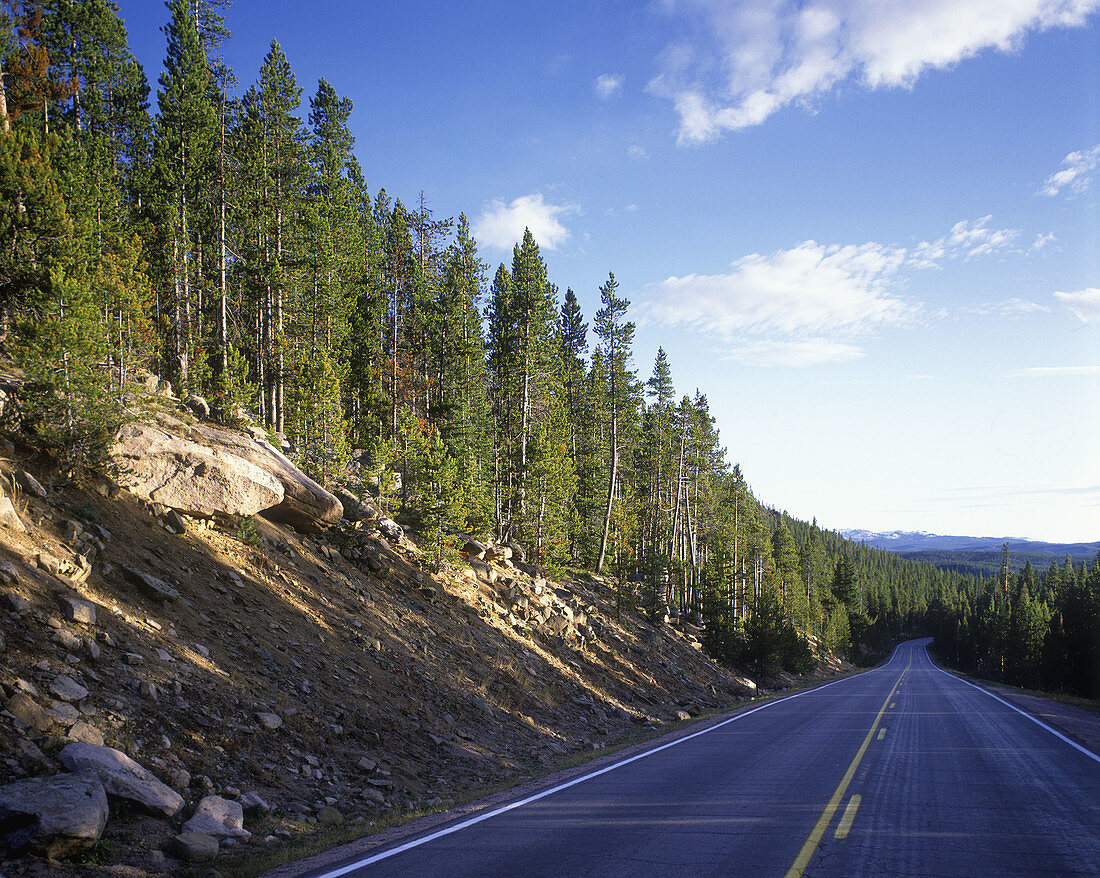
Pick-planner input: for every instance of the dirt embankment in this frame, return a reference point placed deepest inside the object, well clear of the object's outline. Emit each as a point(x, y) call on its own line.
point(325, 682)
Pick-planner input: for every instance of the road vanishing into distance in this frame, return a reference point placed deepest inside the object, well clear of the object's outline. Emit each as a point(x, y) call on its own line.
point(904, 770)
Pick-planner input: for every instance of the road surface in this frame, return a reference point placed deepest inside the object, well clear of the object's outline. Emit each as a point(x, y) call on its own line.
point(901, 771)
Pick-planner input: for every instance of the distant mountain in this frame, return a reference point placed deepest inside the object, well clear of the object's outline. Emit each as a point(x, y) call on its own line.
point(921, 541)
point(976, 555)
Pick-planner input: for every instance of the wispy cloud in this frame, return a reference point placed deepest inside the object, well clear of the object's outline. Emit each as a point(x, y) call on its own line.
point(501, 225)
point(1085, 304)
point(968, 239)
point(1014, 307)
point(1075, 174)
point(747, 59)
point(637, 152)
point(608, 85)
point(810, 288)
point(812, 303)
point(1053, 372)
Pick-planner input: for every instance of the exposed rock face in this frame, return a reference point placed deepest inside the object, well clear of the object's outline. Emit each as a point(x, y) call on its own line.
point(55, 816)
point(213, 472)
point(122, 777)
point(198, 480)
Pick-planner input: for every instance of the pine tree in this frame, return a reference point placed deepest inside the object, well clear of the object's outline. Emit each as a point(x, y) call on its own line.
point(617, 338)
point(524, 365)
point(184, 137)
point(271, 151)
point(462, 411)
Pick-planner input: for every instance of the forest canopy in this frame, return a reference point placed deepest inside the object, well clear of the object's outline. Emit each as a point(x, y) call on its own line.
point(223, 237)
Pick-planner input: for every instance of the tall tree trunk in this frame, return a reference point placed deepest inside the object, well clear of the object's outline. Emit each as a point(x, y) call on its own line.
point(610, 490)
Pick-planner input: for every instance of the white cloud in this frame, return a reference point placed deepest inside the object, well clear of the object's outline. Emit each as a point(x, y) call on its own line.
point(797, 354)
point(1085, 304)
point(1053, 372)
point(501, 225)
point(968, 239)
point(1014, 307)
point(749, 58)
point(810, 288)
point(637, 152)
point(1075, 175)
point(608, 85)
point(807, 305)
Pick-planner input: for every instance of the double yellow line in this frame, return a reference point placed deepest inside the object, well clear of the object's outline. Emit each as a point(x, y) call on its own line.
point(804, 855)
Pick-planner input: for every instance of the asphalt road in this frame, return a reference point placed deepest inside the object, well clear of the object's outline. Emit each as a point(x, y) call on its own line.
point(901, 771)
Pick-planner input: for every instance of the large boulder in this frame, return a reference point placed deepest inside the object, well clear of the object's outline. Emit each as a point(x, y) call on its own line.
point(122, 777)
point(206, 471)
point(305, 506)
point(56, 816)
point(201, 480)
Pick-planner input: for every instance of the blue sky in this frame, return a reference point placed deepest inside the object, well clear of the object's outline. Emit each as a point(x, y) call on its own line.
point(867, 231)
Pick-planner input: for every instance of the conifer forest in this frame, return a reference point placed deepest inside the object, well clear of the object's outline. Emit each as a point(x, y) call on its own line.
point(222, 235)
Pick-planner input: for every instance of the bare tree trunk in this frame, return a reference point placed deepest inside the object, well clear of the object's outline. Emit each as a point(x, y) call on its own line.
point(5, 123)
point(610, 490)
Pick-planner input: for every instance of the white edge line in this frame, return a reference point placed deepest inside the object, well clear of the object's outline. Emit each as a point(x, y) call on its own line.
point(417, 842)
point(1022, 713)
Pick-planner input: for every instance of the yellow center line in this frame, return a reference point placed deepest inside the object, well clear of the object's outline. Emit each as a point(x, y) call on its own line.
point(848, 816)
point(804, 855)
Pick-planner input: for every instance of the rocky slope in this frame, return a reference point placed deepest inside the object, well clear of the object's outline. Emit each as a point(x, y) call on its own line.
point(278, 682)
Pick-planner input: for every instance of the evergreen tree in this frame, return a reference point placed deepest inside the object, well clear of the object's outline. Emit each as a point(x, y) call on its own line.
point(184, 137)
point(616, 335)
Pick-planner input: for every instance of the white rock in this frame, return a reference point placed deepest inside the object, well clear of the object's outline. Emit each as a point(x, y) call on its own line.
point(221, 818)
point(123, 777)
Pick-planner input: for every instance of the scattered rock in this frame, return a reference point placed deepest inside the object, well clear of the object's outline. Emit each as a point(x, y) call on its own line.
point(150, 586)
point(86, 733)
point(14, 602)
point(269, 720)
point(174, 522)
point(123, 777)
point(67, 689)
point(373, 795)
point(221, 818)
point(64, 714)
point(193, 847)
point(391, 530)
point(199, 406)
point(29, 484)
point(254, 804)
point(9, 518)
point(329, 816)
point(46, 561)
point(76, 610)
point(56, 816)
point(29, 712)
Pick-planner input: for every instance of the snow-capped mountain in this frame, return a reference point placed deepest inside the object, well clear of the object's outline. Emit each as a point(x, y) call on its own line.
point(922, 541)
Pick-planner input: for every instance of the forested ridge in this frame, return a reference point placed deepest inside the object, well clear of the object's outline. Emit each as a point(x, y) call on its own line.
point(224, 237)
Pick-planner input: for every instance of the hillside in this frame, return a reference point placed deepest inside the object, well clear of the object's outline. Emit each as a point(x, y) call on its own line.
point(317, 680)
point(976, 556)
